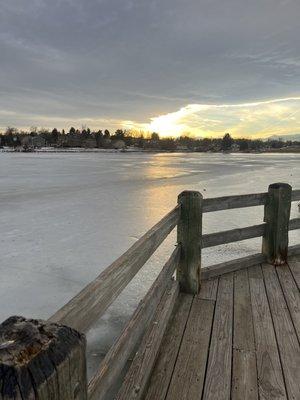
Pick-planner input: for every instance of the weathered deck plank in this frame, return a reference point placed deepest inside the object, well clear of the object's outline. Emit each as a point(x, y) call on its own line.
point(270, 379)
point(209, 289)
point(243, 338)
point(291, 294)
point(237, 339)
point(165, 363)
point(287, 340)
point(218, 377)
point(294, 265)
point(244, 373)
point(188, 377)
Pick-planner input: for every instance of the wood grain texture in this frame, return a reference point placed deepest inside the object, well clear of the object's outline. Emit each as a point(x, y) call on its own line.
point(294, 251)
point(116, 358)
point(88, 305)
point(41, 361)
point(243, 338)
point(188, 377)
point(291, 294)
point(218, 376)
point(232, 265)
point(294, 264)
point(209, 289)
point(287, 340)
point(244, 373)
point(277, 215)
point(239, 201)
point(189, 232)
point(137, 377)
point(233, 235)
point(241, 263)
point(169, 349)
point(270, 379)
point(236, 201)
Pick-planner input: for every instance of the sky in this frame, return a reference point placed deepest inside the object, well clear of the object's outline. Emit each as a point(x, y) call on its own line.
point(198, 67)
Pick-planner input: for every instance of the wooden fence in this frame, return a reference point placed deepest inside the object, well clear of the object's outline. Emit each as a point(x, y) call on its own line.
point(46, 359)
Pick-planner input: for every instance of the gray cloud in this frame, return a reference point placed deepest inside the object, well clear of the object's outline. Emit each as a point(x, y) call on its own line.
point(135, 59)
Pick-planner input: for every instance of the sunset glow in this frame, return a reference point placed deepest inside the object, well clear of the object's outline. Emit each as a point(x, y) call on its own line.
point(255, 119)
point(199, 68)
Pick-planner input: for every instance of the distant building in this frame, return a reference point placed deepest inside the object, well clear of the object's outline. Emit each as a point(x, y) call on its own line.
point(37, 141)
point(32, 141)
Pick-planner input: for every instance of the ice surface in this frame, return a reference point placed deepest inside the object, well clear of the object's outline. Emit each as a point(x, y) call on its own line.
point(65, 217)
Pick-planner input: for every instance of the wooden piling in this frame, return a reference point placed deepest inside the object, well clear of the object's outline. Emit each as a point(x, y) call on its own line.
point(41, 361)
point(189, 237)
point(277, 215)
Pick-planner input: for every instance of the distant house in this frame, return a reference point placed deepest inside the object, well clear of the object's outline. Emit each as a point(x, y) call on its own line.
point(25, 141)
point(36, 141)
point(33, 141)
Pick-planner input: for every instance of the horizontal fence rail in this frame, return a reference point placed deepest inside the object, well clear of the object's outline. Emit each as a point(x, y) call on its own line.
point(116, 358)
point(233, 235)
point(65, 347)
point(232, 265)
point(239, 201)
point(294, 224)
point(244, 262)
point(90, 304)
point(296, 195)
point(239, 234)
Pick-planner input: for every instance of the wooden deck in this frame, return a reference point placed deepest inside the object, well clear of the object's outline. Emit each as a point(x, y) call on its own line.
point(239, 339)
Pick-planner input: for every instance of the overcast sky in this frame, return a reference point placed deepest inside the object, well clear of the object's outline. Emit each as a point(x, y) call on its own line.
point(172, 66)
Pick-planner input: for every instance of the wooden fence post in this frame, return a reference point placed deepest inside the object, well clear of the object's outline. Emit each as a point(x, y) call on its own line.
point(41, 361)
point(189, 237)
point(277, 216)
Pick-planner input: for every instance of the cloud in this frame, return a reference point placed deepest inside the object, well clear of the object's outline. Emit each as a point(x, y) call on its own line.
point(130, 60)
point(255, 119)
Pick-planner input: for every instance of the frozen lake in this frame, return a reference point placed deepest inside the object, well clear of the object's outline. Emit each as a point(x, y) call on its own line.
point(65, 217)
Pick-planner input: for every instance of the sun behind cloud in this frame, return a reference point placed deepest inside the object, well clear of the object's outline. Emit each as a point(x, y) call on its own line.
point(253, 119)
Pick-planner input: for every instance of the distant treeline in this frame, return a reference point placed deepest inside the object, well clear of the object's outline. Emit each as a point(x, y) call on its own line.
point(121, 139)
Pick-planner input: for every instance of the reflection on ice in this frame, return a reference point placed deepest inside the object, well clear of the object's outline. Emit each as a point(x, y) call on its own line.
point(65, 217)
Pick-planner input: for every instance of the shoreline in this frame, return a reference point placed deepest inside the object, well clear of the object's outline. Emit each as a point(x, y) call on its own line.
point(97, 150)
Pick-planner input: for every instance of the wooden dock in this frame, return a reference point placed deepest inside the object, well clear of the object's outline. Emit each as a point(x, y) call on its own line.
point(237, 339)
point(228, 331)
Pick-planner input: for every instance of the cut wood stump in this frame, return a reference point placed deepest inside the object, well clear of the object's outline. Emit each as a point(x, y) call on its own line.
point(41, 361)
